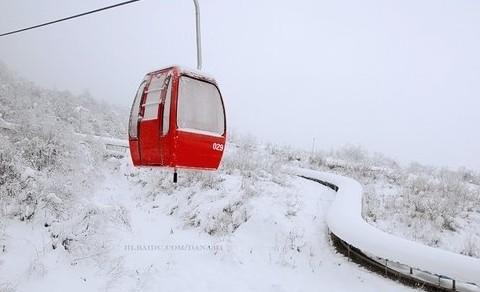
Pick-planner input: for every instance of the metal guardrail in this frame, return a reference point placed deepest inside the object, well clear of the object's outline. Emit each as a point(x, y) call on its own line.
point(112, 146)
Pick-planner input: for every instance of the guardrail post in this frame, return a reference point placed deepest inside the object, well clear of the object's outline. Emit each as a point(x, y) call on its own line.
point(453, 285)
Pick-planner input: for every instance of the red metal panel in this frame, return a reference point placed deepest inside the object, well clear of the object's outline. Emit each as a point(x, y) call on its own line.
point(199, 151)
point(134, 152)
point(149, 142)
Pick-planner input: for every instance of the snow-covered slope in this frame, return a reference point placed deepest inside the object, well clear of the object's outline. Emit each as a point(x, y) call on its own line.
point(438, 207)
point(73, 216)
point(144, 234)
point(345, 221)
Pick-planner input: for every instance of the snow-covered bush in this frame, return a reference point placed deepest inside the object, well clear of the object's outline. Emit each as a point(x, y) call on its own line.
point(471, 247)
point(43, 156)
point(245, 157)
point(318, 159)
point(439, 200)
point(352, 154)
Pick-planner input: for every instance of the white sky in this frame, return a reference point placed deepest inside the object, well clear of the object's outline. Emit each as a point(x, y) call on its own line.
point(400, 77)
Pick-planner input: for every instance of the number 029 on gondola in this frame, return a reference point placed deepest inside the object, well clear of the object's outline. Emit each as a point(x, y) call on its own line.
point(177, 120)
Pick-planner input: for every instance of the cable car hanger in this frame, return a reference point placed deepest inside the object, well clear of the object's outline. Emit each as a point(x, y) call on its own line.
point(178, 118)
point(199, 39)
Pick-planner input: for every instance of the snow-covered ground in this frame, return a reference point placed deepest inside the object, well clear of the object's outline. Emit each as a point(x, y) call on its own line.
point(461, 234)
point(345, 220)
point(440, 210)
point(73, 216)
point(145, 237)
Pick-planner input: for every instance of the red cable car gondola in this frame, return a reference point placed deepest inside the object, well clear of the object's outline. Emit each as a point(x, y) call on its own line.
point(177, 120)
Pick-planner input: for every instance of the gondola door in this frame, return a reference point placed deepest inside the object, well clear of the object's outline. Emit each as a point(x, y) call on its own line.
point(149, 113)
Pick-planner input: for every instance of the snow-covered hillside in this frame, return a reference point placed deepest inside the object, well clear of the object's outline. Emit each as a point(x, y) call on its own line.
point(73, 217)
point(438, 207)
point(138, 232)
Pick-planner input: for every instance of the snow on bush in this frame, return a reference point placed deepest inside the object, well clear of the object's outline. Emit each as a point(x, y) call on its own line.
point(45, 168)
point(216, 202)
point(47, 174)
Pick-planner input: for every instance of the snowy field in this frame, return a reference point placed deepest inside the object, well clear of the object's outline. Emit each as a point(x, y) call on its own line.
point(145, 234)
point(73, 216)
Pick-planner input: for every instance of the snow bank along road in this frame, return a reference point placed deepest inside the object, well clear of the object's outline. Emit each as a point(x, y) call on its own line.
point(345, 221)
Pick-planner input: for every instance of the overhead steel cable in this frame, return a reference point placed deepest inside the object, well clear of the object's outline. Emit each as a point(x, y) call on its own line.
point(68, 18)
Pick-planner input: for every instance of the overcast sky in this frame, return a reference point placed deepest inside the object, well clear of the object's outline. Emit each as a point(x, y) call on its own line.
point(399, 77)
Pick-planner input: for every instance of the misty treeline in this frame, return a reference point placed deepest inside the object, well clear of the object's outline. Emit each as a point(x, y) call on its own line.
point(46, 168)
point(44, 163)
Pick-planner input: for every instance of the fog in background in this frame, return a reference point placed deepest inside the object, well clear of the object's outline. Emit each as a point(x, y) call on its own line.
point(397, 77)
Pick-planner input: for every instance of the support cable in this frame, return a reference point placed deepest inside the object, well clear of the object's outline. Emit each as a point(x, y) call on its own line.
point(69, 18)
